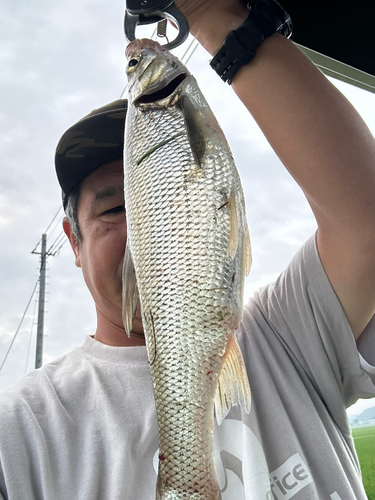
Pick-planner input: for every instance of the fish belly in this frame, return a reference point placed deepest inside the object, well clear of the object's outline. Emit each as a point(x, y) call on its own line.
point(190, 290)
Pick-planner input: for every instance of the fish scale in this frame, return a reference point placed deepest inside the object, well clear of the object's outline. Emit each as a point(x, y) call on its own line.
point(179, 193)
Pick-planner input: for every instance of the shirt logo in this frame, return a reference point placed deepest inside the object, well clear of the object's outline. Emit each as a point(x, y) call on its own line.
point(289, 479)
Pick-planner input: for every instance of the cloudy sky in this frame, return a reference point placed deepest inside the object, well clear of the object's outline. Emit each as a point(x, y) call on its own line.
point(58, 61)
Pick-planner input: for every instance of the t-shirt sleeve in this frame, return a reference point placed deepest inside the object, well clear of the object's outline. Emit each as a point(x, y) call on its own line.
point(307, 317)
point(366, 349)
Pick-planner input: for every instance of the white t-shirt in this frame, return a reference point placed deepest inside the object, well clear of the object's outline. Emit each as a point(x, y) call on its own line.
point(84, 426)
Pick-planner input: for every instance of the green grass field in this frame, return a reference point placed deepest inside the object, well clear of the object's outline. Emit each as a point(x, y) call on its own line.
point(364, 439)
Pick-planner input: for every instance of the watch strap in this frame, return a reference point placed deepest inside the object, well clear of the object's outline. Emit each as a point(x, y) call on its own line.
point(266, 18)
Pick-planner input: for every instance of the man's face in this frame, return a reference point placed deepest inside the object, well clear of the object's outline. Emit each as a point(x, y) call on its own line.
point(101, 217)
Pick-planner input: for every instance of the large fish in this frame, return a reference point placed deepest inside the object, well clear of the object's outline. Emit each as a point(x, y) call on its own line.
point(187, 253)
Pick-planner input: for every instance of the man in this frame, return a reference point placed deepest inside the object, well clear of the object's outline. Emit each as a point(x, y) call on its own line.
point(85, 427)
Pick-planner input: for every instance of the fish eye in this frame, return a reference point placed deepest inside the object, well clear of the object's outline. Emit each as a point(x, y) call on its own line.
point(132, 62)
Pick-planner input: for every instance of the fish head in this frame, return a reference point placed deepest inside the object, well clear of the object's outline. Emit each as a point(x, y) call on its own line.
point(154, 74)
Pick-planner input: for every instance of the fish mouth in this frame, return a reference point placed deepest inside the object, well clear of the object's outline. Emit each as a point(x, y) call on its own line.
point(163, 92)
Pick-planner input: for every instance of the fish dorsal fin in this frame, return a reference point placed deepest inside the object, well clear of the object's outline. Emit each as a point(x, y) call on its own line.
point(195, 131)
point(247, 250)
point(129, 291)
point(233, 386)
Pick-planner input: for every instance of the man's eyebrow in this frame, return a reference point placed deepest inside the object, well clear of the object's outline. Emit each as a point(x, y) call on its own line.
point(107, 192)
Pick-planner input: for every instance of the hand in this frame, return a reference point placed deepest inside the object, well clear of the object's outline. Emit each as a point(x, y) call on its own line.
point(196, 10)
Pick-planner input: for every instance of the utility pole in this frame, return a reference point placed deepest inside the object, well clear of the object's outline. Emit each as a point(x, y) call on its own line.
point(42, 292)
point(44, 253)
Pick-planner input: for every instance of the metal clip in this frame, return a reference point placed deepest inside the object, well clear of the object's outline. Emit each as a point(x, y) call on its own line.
point(140, 12)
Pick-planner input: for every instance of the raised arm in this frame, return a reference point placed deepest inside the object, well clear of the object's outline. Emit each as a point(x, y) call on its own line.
point(321, 140)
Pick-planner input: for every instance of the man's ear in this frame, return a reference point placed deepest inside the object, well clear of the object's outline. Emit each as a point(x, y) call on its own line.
point(73, 241)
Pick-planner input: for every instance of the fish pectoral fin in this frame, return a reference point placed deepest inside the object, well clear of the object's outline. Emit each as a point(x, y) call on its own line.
point(233, 386)
point(247, 250)
point(195, 130)
point(129, 291)
point(233, 225)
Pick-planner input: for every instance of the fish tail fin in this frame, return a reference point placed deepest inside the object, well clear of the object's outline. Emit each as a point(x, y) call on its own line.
point(233, 386)
point(129, 291)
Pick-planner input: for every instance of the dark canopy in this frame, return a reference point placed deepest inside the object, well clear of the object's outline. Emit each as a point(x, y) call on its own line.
point(340, 29)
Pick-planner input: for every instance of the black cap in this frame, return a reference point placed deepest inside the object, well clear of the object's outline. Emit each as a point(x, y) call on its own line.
point(96, 139)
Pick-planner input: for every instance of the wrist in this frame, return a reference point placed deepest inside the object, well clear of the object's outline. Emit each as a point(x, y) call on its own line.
point(211, 32)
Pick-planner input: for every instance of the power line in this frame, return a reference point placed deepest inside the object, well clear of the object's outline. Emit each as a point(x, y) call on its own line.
point(36, 246)
point(60, 247)
point(31, 334)
point(59, 237)
point(50, 224)
point(58, 244)
point(186, 51)
point(195, 48)
point(56, 225)
point(19, 326)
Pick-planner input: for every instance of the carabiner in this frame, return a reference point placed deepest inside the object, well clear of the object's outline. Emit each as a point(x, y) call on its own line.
point(140, 12)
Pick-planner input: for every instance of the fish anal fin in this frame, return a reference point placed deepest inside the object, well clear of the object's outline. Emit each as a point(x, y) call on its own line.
point(129, 291)
point(194, 127)
point(233, 386)
point(233, 224)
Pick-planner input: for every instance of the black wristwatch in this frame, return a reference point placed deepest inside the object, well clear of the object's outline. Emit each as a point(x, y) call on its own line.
point(266, 18)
